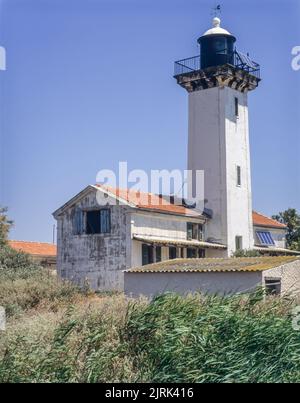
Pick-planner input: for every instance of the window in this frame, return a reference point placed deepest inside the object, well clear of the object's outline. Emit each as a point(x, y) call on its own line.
point(189, 230)
point(195, 231)
point(201, 253)
point(238, 176)
point(265, 238)
point(236, 106)
point(78, 222)
point(238, 242)
point(98, 221)
point(93, 222)
point(191, 253)
point(158, 254)
point(172, 252)
point(147, 254)
point(273, 286)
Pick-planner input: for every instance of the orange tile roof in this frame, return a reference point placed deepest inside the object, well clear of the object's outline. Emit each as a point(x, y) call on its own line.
point(149, 201)
point(263, 221)
point(34, 248)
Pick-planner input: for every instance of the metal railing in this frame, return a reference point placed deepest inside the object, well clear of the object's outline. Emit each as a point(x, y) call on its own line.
point(240, 61)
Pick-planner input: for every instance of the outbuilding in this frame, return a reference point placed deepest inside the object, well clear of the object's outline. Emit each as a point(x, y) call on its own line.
point(279, 275)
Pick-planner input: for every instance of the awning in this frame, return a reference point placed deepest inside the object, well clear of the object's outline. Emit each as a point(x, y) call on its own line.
point(178, 242)
point(276, 250)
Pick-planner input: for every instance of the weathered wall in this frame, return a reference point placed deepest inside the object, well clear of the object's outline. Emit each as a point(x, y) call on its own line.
point(151, 284)
point(289, 275)
point(97, 259)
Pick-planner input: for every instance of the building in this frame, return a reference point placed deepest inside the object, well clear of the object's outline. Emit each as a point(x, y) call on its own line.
point(278, 275)
point(103, 231)
point(41, 252)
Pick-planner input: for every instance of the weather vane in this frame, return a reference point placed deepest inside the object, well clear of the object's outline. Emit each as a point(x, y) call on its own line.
point(216, 10)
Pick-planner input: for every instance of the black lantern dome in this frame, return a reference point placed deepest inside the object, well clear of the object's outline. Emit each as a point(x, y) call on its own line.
point(217, 46)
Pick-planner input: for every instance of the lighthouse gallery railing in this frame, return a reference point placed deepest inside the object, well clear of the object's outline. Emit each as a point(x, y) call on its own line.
point(241, 61)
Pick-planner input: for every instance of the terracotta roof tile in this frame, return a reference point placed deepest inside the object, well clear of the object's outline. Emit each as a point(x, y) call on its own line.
point(263, 221)
point(150, 201)
point(34, 248)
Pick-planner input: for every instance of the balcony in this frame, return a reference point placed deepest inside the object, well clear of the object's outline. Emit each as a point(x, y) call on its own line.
point(240, 61)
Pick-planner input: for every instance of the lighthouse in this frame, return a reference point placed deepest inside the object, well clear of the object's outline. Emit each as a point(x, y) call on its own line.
point(218, 81)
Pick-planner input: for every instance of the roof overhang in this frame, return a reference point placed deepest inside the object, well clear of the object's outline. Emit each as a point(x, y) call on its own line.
point(266, 249)
point(178, 242)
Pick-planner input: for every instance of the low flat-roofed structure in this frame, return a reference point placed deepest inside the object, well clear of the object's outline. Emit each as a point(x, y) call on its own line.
point(280, 275)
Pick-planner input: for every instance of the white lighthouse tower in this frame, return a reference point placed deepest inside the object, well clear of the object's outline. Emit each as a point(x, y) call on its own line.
point(218, 82)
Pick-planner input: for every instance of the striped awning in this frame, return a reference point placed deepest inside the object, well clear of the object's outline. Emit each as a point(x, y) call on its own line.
point(178, 242)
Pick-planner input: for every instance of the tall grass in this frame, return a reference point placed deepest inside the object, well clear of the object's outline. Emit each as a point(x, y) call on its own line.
point(171, 339)
point(56, 333)
point(213, 339)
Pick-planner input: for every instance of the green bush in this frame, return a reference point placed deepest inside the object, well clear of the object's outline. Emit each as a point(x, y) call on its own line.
point(246, 253)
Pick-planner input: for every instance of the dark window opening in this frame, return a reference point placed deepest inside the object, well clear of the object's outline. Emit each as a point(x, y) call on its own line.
point(147, 254)
point(238, 176)
point(201, 253)
point(93, 222)
point(273, 287)
point(158, 254)
point(191, 253)
point(98, 222)
point(236, 106)
point(172, 252)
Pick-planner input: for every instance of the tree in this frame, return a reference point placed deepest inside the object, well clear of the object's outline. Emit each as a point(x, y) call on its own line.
point(5, 225)
point(291, 219)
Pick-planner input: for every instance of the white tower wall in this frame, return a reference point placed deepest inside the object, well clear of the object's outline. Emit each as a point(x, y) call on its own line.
point(218, 143)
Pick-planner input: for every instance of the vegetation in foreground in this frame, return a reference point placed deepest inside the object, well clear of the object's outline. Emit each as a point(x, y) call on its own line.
point(57, 334)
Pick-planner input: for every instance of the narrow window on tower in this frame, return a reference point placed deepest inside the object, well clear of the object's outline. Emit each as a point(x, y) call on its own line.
point(236, 106)
point(238, 243)
point(238, 176)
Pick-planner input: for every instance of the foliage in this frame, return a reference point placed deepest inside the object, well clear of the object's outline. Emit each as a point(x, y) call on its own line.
point(5, 225)
point(171, 339)
point(24, 284)
point(213, 339)
point(246, 253)
point(291, 219)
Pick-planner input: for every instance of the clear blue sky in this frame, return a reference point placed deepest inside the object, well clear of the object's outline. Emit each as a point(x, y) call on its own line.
point(89, 83)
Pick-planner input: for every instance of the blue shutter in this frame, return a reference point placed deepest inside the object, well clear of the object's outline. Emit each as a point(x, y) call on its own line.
point(105, 221)
point(78, 222)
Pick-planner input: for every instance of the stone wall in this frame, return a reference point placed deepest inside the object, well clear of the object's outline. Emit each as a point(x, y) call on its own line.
point(97, 259)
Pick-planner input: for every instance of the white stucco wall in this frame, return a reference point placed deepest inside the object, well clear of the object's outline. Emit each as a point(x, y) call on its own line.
point(277, 234)
point(223, 283)
point(218, 142)
point(161, 225)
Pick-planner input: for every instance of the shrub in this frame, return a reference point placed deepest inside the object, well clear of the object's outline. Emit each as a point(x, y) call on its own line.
point(246, 253)
point(24, 285)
